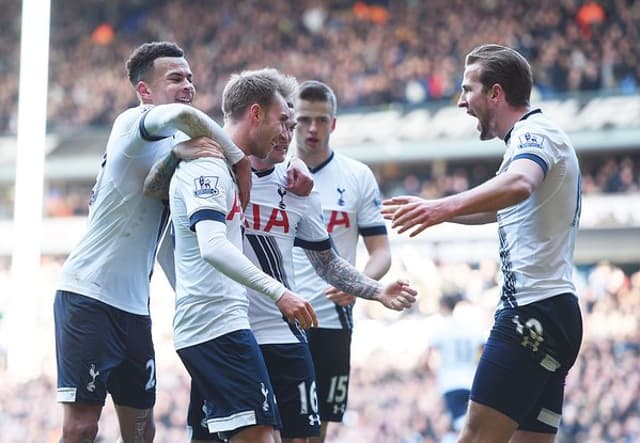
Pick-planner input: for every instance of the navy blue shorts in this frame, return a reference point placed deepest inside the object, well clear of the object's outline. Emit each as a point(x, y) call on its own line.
point(331, 352)
point(230, 386)
point(524, 364)
point(102, 349)
point(197, 420)
point(293, 379)
point(457, 402)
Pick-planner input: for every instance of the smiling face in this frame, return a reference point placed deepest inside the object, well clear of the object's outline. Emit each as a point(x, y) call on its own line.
point(171, 82)
point(279, 151)
point(477, 101)
point(271, 128)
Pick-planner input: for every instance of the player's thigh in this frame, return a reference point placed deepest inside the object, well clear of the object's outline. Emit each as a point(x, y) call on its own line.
point(197, 428)
point(88, 347)
point(232, 383)
point(292, 376)
point(254, 434)
point(532, 437)
point(486, 425)
point(525, 361)
point(133, 382)
point(331, 352)
point(546, 412)
point(506, 387)
point(562, 338)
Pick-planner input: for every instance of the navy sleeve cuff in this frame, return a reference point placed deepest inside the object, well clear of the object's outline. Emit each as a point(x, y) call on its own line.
point(535, 158)
point(206, 214)
point(145, 134)
point(312, 245)
point(373, 230)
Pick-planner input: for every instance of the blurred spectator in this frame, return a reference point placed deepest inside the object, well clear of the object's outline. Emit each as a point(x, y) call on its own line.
point(602, 173)
point(380, 52)
point(395, 396)
point(589, 16)
point(407, 52)
point(372, 53)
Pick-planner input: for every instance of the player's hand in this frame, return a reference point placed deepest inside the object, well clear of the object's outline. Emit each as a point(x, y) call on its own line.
point(242, 170)
point(198, 147)
point(299, 180)
point(297, 309)
point(406, 212)
point(398, 295)
point(339, 297)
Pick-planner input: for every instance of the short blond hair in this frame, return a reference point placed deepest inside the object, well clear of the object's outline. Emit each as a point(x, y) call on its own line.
point(256, 86)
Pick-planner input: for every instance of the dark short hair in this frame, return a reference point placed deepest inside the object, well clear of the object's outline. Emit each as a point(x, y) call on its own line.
point(140, 63)
point(316, 91)
point(506, 67)
point(255, 86)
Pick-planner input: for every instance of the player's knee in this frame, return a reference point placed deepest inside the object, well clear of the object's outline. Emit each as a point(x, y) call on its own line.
point(79, 430)
point(149, 431)
point(471, 429)
point(138, 427)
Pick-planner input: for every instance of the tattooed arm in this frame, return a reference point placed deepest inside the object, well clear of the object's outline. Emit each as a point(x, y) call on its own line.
point(377, 265)
point(344, 276)
point(156, 184)
point(165, 120)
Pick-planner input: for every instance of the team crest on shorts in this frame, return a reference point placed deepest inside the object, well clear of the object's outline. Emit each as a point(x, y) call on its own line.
point(206, 186)
point(93, 372)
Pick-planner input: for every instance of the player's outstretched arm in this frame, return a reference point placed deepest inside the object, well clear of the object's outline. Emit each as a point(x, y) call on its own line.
point(165, 120)
point(212, 239)
point(376, 267)
point(473, 206)
point(345, 277)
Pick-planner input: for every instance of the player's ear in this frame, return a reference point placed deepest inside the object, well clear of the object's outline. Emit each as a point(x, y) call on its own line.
point(255, 111)
point(496, 91)
point(144, 91)
point(333, 124)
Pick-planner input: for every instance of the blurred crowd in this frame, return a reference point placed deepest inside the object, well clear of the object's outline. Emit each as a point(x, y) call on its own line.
point(372, 52)
point(393, 396)
point(601, 174)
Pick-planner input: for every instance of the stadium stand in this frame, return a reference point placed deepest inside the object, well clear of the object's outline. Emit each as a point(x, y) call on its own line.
point(395, 67)
point(411, 53)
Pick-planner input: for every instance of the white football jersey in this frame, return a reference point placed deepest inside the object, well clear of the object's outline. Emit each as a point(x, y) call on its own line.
point(350, 201)
point(458, 343)
point(276, 219)
point(113, 261)
point(208, 303)
point(537, 236)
